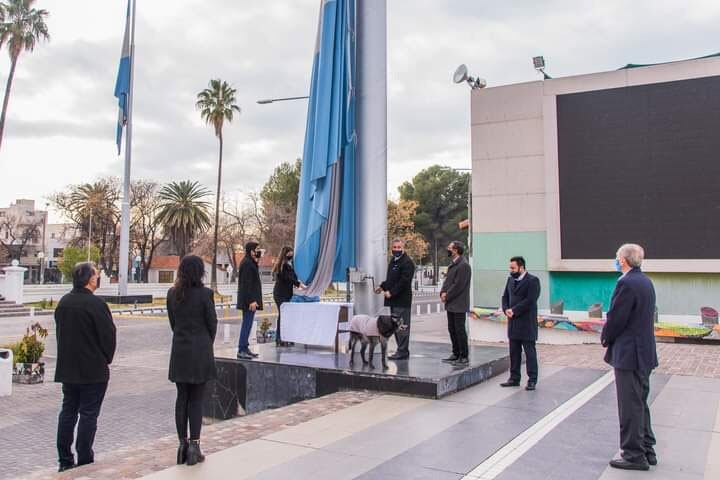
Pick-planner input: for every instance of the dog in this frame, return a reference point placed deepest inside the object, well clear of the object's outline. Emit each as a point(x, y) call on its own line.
point(372, 330)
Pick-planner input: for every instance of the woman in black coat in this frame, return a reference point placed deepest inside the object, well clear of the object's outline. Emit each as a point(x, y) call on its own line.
point(285, 280)
point(193, 320)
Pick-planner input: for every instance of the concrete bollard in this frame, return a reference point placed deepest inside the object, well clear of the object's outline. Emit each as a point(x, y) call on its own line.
point(226, 333)
point(429, 309)
point(418, 309)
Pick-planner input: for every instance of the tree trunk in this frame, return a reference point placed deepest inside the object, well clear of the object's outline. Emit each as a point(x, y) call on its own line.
point(213, 270)
point(8, 87)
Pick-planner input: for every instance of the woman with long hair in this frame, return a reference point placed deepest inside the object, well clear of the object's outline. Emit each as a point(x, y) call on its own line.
point(193, 320)
point(285, 279)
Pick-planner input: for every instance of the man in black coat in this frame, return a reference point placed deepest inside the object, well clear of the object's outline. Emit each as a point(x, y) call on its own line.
point(455, 294)
point(519, 302)
point(397, 289)
point(629, 335)
point(85, 347)
point(249, 297)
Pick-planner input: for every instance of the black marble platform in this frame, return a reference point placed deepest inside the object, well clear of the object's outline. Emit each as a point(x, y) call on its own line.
point(284, 375)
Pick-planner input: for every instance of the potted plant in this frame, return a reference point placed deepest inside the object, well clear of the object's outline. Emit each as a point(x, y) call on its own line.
point(264, 333)
point(27, 367)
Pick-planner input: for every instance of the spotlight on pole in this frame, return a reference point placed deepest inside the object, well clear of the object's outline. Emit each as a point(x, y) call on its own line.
point(461, 75)
point(539, 64)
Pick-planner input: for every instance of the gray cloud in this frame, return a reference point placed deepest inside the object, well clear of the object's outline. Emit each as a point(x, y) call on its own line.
point(62, 103)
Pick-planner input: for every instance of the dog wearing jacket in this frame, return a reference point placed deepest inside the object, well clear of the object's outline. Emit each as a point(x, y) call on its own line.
point(372, 330)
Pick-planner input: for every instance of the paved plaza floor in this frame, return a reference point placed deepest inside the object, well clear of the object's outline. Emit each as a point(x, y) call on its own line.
point(567, 429)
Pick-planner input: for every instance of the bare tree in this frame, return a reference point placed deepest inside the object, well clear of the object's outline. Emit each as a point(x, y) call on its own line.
point(16, 233)
point(145, 230)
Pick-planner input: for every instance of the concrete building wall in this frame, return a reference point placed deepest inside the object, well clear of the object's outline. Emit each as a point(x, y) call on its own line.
point(508, 186)
point(515, 197)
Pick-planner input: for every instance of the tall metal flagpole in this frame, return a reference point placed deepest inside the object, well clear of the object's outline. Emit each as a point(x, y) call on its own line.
point(371, 165)
point(123, 263)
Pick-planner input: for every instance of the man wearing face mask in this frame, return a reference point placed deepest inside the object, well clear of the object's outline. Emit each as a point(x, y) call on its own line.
point(519, 302)
point(629, 336)
point(249, 298)
point(455, 294)
point(397, 289)
point(86, 340)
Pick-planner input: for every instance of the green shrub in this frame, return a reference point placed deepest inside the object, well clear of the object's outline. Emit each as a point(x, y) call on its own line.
point(31, 347)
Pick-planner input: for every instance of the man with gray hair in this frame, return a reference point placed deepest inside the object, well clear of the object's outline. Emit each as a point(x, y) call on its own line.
point(85, 348)
point(629, 336)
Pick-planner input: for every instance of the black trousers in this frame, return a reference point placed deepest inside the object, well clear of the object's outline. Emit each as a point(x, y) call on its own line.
point(279, 301)
point(458, 334)
point(188, 409)
point(636, 436)
point(83, 400)
point(531, 363)
point(402, 337)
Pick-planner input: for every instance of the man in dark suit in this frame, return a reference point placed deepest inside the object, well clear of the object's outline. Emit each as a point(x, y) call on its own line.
point(397, 289)
point(455, 294)
point(519, 302)
point(85, 347)
point(249, 297)
point(629, 335)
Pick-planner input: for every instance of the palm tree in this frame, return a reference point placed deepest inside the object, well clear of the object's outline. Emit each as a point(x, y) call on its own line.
point(183, 212)
point(21, 26)
point(217, 104)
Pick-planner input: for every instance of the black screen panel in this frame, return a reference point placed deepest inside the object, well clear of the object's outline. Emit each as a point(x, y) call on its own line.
point(641, 164)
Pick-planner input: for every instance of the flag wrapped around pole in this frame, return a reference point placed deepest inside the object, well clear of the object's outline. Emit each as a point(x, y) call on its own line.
point(122, 84)
point(325, 236)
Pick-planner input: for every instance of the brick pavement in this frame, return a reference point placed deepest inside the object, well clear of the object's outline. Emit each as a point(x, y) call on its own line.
point(138, 409)
point(142, 459)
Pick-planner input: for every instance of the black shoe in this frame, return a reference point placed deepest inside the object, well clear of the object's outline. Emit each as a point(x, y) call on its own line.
point(450, 359)
point(244, 356)
point(398, 356)
point(530, 386)
point(252, 354)
point(182, 451)
point(461, 362)
point(651, 458)
point(194, 455)
point(63, 468)
point(510, 383)
point(623, 464)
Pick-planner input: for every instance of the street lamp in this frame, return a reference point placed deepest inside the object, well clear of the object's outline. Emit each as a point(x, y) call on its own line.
point(41, 260)
point(265, 101)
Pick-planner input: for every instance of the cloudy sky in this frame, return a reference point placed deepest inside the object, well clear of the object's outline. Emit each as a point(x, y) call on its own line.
point(61, 121)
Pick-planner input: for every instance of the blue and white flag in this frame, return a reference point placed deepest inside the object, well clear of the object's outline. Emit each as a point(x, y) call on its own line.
point(325, 235)
point(122, 84)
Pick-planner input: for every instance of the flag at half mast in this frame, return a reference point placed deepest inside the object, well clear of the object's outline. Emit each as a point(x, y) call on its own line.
point(122, 84)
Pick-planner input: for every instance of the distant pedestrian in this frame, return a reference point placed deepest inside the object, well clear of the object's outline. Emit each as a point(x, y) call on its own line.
point(249, 297)
point(285, 280)
point(193, 320)
point(629, 335)
point(455, 294)
point(397, 290)
point(85, 347)
point(519, 303)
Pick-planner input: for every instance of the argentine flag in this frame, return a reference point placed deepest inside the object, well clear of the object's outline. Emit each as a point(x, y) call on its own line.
point(122, 85)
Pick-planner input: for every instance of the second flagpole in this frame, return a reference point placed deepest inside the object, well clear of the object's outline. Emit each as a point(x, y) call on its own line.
point(123, 261)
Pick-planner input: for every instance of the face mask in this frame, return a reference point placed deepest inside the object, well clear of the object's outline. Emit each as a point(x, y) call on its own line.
point(618, 266)
point(289, 257)
point(515, 275)
point(258, 253)
point(397, 254)
point(450, 253)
